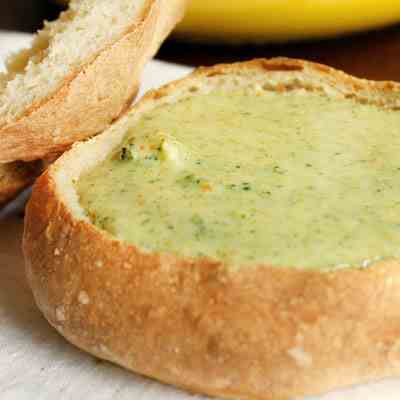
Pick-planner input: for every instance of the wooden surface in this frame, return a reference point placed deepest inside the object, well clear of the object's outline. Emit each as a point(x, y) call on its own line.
point(374, 55)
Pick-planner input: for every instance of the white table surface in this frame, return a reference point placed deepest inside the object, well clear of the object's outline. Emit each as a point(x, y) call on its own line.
point(37, 364)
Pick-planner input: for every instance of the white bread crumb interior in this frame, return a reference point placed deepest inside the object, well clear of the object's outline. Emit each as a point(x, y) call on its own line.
point(60, 48)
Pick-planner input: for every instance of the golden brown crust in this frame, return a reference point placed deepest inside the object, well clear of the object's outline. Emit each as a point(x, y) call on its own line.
point(15, 177)
point(94, 95)
point(254, 333)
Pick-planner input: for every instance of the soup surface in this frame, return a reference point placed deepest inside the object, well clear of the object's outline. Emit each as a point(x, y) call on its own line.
point(285, 179)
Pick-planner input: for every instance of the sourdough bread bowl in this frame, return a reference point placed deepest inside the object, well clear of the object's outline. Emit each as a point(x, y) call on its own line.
point(81, 72)
point(192, 281)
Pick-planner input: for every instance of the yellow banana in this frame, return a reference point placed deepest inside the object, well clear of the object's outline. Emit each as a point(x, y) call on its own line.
point(283, 20)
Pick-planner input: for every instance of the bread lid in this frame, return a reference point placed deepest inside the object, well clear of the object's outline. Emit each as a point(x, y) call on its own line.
point(81, 72)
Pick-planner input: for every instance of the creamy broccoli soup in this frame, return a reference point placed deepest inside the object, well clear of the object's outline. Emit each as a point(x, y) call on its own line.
point(288, 179)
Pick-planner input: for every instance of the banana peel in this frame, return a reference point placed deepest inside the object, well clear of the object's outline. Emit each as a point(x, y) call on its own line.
point(238, 21)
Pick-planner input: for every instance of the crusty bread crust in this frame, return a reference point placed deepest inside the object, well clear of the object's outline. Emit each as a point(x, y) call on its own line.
point(15, 177)
point(261, 332)
point(89, 99)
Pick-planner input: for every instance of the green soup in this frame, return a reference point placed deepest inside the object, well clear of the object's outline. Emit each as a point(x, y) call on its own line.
point(289, 179)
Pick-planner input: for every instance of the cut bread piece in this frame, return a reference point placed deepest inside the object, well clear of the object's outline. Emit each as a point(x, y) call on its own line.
point(82, 71)
point(15, 177)
point(188, 242)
